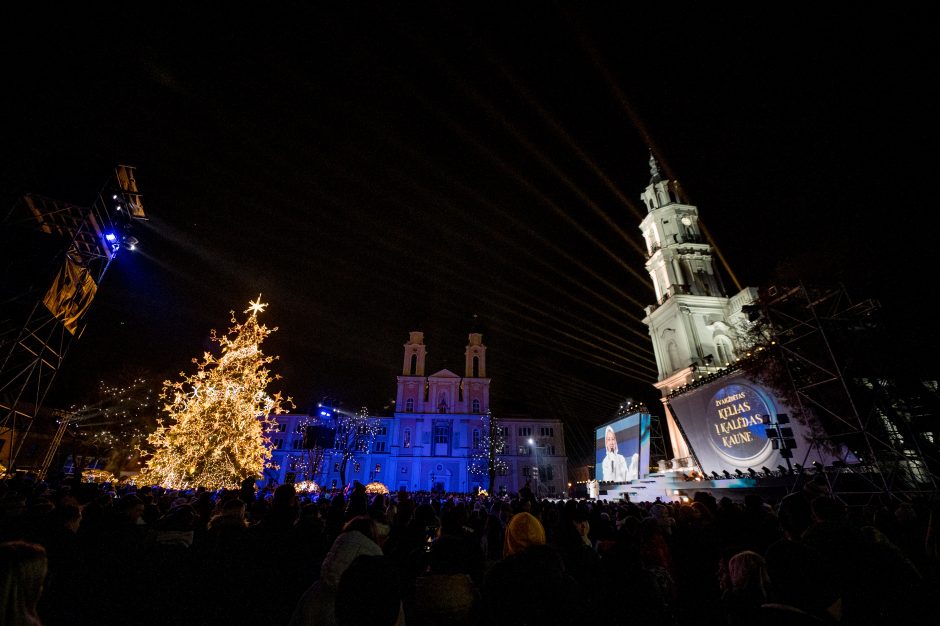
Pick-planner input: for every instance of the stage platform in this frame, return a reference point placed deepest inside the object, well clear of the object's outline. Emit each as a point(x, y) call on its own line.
point(673, 487)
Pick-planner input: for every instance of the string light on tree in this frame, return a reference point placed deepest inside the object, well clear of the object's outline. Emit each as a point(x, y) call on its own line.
point(219, 418)
point(486, 459)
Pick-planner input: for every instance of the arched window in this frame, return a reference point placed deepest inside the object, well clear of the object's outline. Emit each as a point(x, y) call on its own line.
point(476, 367)
point(410, 405)
point(476, 406)
point(442, 403)
point(406, 438)
point(672, 353)
point(414, 365)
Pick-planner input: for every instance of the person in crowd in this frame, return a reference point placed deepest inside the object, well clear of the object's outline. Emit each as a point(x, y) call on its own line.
point(745, 588)
point(23, 568)
point(447, 593)
point(530, 584)
point(317, 605)
point(381, 605)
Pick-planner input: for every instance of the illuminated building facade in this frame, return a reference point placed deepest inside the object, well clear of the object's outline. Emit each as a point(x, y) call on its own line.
point(433, 442)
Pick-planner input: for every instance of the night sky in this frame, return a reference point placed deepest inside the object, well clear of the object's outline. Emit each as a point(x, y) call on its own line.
point(466, 167)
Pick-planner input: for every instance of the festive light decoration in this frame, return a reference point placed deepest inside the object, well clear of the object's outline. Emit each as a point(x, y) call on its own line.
point(97, 476)
point(485, 459)
point(220, 416)
point(306, 486)
point(113, 425)
point(355, 434)
point(376, 487)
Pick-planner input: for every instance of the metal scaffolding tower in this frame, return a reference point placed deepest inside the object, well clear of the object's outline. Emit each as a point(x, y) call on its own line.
point(830, 363)
point(56, 255)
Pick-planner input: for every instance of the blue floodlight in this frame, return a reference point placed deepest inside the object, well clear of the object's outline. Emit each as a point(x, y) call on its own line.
point(111, 237)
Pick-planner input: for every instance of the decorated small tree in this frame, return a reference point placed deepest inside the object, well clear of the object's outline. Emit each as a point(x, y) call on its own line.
point(487, 456)
point(355, 434)
point(218, 418)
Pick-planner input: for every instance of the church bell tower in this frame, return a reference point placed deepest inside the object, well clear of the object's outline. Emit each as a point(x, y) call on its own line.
point(693, 324)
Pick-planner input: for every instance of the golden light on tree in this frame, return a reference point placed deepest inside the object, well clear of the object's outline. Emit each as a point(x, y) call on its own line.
point(218, 418)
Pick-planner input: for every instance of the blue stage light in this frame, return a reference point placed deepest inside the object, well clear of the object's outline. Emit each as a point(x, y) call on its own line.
point(111, 237)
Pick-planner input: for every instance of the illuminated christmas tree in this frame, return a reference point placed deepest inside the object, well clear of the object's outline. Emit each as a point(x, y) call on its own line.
point(486, 459)
point(219, 418)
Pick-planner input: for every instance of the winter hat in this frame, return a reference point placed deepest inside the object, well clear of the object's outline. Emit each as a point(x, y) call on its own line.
point(523, 530)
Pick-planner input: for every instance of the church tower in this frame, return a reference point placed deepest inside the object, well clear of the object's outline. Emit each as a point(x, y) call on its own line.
point(693, 322)
point(412, 386)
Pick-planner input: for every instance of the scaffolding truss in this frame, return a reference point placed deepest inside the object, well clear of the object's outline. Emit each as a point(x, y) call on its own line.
point(830, 365)
point(56, 256)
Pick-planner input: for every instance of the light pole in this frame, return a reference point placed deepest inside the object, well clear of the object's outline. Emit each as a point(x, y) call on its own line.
point(538, 481)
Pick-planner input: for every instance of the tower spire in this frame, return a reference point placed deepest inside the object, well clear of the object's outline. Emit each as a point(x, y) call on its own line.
point(654, 169)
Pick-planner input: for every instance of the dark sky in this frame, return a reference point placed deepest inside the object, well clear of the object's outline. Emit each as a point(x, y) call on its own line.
point(448, 167)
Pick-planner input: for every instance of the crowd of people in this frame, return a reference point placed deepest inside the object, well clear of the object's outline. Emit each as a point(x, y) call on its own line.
point(82, 553)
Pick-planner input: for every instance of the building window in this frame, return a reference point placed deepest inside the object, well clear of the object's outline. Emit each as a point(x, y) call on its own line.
point(378, 468)
point(526, 472)
point(336, 467)
point(525, 431)
point(440, 433)
point(404, 470)
point(476, 439)
point(525, 450)
point(413, 368)
point(410, 405)
point(296, 444)
point(381, 431)
point(282, 427)
point(502, 470)
point(476, 406)
point(406, 439)
point(356, 466)
point(547, 431)
point(503, 431)
point(476, 367)
point(379, 446)
point(550, 449)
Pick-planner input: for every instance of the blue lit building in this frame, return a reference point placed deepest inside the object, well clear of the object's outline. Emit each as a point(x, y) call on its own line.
point(430, 442)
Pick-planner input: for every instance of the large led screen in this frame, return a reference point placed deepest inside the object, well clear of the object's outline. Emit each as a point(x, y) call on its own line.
point(623, 449)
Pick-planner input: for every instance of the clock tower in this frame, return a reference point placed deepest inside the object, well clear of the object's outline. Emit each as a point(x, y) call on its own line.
point(694, 323)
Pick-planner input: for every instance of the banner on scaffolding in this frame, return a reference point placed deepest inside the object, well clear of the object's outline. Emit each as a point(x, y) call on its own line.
point(734, 423)
point(71, 294)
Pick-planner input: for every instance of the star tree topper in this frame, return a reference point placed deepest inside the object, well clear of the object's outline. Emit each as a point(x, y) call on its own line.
point(255, 306)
